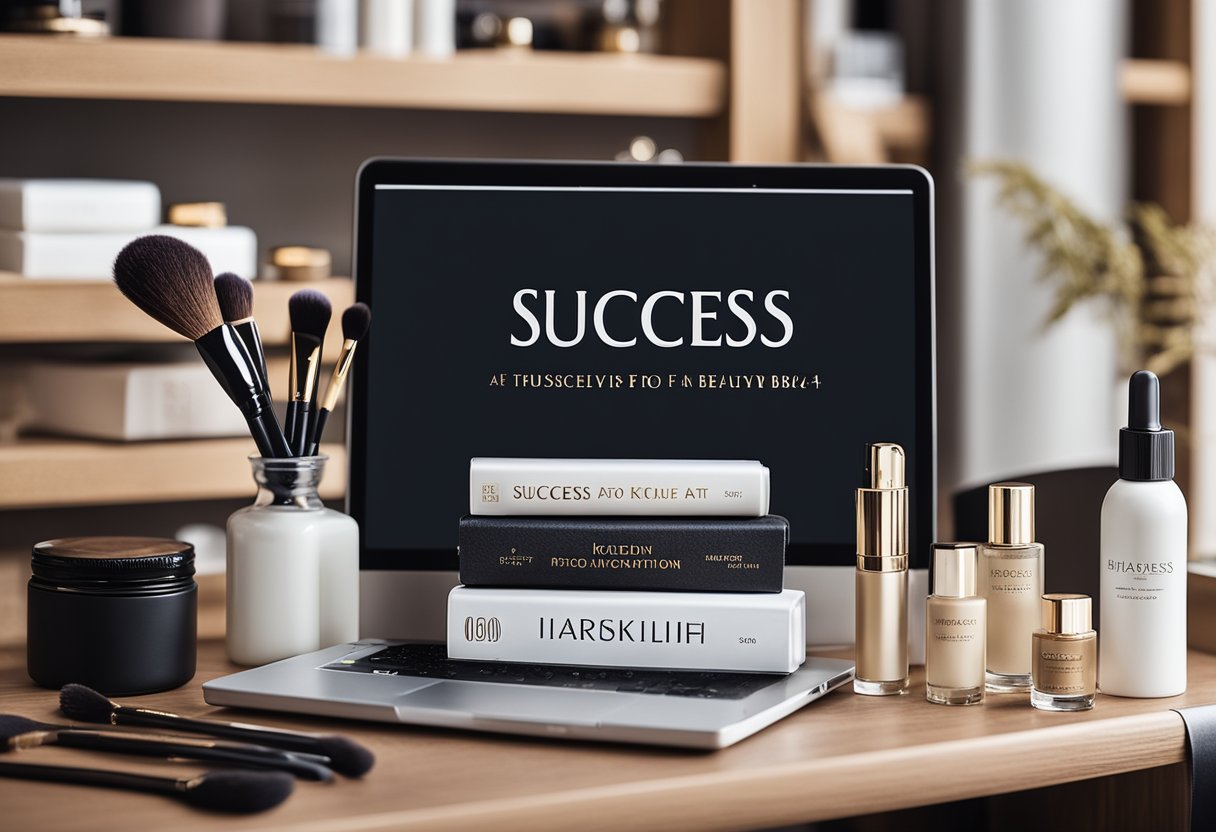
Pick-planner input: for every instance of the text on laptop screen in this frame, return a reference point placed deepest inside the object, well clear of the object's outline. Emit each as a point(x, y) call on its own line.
point(776, 325)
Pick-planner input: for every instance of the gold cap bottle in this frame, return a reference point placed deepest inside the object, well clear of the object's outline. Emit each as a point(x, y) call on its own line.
point(1011, 578)
point(1011, 513)
point(1065, 669)
point(882, 574)
point(956, 622)
point(956, 570)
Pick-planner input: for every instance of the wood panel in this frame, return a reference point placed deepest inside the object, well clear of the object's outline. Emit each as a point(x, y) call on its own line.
point(477, 80)
point(44, 473)
point(844, 756)
point(766, 81)
point(90, 311)
point(1161, 82)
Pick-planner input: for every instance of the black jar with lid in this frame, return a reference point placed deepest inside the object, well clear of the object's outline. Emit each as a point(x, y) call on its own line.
point(119, 614)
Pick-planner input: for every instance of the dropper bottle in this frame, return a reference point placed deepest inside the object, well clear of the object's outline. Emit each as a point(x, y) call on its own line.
point(1142, 650)
point(882, 574)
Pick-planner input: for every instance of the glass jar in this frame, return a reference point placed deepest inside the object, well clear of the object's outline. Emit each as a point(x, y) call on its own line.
point(293, 566)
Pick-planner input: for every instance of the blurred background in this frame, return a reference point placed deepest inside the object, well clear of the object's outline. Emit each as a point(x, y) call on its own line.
point(1071, 143)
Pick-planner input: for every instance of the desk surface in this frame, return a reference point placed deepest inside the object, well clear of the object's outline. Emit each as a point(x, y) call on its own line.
point(841, 756)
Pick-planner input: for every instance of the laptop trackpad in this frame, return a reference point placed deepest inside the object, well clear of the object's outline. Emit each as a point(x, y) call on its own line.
point(529, 704)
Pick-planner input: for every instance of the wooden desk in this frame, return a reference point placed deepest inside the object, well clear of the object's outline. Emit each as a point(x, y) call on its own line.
point(845, 755)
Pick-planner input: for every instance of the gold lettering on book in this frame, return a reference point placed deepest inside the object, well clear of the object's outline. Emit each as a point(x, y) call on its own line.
point(661, 564)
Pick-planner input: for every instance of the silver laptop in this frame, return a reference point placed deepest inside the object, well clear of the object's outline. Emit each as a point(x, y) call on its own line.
point(415, 683)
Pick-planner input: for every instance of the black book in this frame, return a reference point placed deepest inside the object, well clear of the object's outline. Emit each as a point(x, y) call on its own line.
point(676, 554)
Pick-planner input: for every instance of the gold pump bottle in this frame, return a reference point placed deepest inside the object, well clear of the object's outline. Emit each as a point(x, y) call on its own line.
point(882, 574)
point(1011, 578)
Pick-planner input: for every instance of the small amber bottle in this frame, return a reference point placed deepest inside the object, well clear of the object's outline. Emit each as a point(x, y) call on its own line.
point(1064, 673)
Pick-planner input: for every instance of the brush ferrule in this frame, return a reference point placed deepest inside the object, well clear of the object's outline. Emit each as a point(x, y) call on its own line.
point(228, 358)
point(31, 739)
point(346, 357)
point(305, 366)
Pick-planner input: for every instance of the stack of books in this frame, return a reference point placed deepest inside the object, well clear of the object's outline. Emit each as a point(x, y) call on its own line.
point(74, 228)
point(672, 564)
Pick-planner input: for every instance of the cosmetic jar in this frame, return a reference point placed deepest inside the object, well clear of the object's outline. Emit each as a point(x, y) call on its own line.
point(1065, 655)
point(118, 614)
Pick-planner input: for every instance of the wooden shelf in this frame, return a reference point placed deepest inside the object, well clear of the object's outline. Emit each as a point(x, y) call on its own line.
point(90, 311)
point(1155, 82)
point(479, 80)
point(46, 472)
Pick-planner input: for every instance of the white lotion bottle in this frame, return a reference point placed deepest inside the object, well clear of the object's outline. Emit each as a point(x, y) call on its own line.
point(1142, 644)
point(293, 567)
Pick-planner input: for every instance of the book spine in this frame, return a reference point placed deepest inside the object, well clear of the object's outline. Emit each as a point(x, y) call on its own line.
point(722, 555)
point(675, 631)
point(670, 488)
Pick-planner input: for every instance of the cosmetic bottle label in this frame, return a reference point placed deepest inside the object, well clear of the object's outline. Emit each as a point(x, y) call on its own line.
point(1012, 581)
point(1065, 667)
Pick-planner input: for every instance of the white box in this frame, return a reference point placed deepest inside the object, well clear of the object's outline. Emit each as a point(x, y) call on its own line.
point(78, 205)
point(130, 401)
point(44, 255)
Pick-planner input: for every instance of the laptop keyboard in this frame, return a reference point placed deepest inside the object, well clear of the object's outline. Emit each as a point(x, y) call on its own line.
point(431, 661)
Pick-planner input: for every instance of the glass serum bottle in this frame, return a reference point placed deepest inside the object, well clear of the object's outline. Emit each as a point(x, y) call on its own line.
point(955, 627)
point(1011, 579)
point(1065, 674)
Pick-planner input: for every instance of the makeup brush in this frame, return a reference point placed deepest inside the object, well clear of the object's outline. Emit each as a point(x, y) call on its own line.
point(355, 322)
point(310, 312)
point(87, 705)
point(219, 791)
point(18, 733)
point(235, 296)
point(171, 281)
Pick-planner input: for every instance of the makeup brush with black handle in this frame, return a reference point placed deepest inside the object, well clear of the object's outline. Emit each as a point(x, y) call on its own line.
point(18, 733)
point(171, 281)
point(87, 705)
point(235, 296)
point(355, 322)
point(310, 312)
point(220, 791)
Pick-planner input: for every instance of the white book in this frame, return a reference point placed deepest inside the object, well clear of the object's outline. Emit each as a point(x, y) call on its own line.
point(78, 205)
point(620, 487)
point(749, 633)
point(130, 401)
point(44, 255)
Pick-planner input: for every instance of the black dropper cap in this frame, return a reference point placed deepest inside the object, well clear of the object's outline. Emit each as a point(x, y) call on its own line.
point(1146, 450)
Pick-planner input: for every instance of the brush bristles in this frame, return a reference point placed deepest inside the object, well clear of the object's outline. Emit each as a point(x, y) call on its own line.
point(12, 725)
point(355, 321)
point(85, 704)
point(346, 757)
point(235, 296)
point(310, 312)
point(171, 281)
point(239, 791)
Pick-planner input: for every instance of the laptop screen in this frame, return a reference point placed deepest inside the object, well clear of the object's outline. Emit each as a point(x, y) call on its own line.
point(784, 324)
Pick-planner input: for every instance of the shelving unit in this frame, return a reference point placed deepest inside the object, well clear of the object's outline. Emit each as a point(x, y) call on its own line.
point(733, 72)
point(48, 472)
point(93, 311)
point(481, 80)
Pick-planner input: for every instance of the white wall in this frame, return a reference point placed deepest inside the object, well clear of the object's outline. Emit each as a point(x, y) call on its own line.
point(1203, 371)
point(1038, 83)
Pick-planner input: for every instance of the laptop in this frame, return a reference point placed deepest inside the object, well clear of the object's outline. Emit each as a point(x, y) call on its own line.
point(792, 305)
point(415, 683)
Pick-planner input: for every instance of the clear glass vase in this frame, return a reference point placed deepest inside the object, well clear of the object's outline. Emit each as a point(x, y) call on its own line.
point(293, 567)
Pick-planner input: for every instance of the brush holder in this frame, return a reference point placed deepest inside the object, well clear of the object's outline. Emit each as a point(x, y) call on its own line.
point(118, 614)
point(293, 566)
